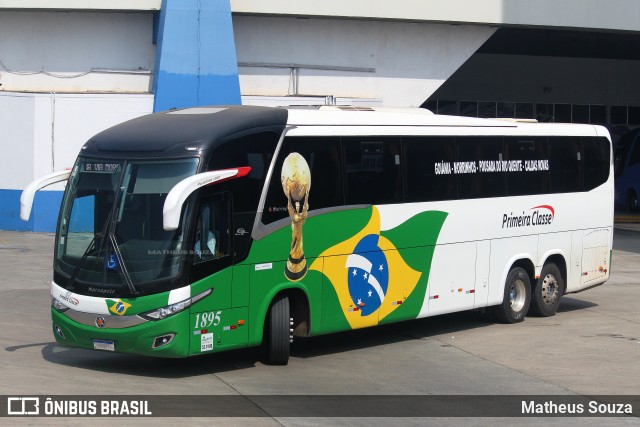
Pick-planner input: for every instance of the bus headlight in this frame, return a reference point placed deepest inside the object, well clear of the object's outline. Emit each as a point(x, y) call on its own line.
point(170, 310)
point(58, 306)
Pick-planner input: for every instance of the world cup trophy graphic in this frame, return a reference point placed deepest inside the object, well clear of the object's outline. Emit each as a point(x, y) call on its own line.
point(296, 183)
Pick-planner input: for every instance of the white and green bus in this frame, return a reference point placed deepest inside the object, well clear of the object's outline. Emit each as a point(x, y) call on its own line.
point(200, 230)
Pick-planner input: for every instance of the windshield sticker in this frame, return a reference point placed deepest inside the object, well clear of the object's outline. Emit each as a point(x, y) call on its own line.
point(112, 262)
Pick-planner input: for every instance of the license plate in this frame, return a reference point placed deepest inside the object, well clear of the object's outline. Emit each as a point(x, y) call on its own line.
point(104, 345)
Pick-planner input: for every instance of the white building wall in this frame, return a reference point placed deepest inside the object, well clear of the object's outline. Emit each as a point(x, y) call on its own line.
point(619, 15)
point(42, 133)
point(38, 124)
point(76, 51)
point(399, 62)
point(16, 139)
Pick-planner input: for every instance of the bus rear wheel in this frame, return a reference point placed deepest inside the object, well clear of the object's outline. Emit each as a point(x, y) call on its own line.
point(278, 333)
point(517, 297)
point(546, 295)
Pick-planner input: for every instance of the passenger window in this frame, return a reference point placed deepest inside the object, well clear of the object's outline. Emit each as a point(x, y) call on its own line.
point(480, 168)
point(322, 155)
point(255, 150)
point(429, 168)
point(211, 240)
point(596, 162)
point(373, 171)
point(527, 165)
point(565, 167)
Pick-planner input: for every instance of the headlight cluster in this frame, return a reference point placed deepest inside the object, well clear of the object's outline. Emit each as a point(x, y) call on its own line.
point(58, 306)
point(170, 310)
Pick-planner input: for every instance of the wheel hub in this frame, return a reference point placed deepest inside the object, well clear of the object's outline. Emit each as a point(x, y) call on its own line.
point(517, 295)
point(549, 289)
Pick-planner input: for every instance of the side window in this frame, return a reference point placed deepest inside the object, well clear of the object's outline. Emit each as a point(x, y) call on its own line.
point(596, 161)
point(527, 165)
point(211, 240)
point(255, 150)
point(479, 174)
point(372, 170)
point(428, 168)
point(81, 221)
point(565, 167)
point(322, 157)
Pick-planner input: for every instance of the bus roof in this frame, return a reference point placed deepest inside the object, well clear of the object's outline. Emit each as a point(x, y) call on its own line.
point(200, 128)
point(172, 132)
point(382, 116)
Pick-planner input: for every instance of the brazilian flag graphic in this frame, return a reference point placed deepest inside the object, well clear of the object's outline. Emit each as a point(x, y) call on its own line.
point(118, 307)
point(380, 275)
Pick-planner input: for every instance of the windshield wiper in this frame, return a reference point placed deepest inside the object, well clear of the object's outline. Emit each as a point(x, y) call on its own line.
point(123, 267)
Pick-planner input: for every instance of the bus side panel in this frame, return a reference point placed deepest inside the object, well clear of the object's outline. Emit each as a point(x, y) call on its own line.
point(266, 281)
point(504, 253)
point(240, 286)
point(407, 301)
point(596, 251)
point(452, 278)
point(552, 244)
point(574, 265)
point(483, 256)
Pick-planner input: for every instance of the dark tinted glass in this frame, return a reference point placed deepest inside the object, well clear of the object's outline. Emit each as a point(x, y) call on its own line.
point(506, 109)
point(619, 115)
point(322, 155)
point(478, 167)
point(527, 165)
point(565, 168)
point(255, 151)
point(562, 113)
point(634, 115)
point(487, 110)
point(544, 112)
point(429, 168)
point(598, 114)
point(469, 108)
point(524, 111)
point(580, 114)
point(373, 171)
point(596, 161)
point(448, 107)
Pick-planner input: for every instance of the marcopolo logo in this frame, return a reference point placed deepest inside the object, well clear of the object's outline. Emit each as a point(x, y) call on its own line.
point(538, 215)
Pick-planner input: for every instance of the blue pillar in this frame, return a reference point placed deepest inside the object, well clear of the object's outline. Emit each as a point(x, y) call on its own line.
point(196, 60)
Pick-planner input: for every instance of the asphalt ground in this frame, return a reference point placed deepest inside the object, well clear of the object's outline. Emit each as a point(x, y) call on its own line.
point(591, 347)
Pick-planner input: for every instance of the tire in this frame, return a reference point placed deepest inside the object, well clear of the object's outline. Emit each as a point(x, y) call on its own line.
point(517, 297)
point(632, 201)
point(278, 335)
point(545, 297)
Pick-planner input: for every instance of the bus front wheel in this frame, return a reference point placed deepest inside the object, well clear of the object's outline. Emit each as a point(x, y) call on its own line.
point(278, 334)
point(546, 295)
point(517, 297)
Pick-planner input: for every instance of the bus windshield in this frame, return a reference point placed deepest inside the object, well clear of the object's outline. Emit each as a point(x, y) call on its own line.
point(110, 230)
